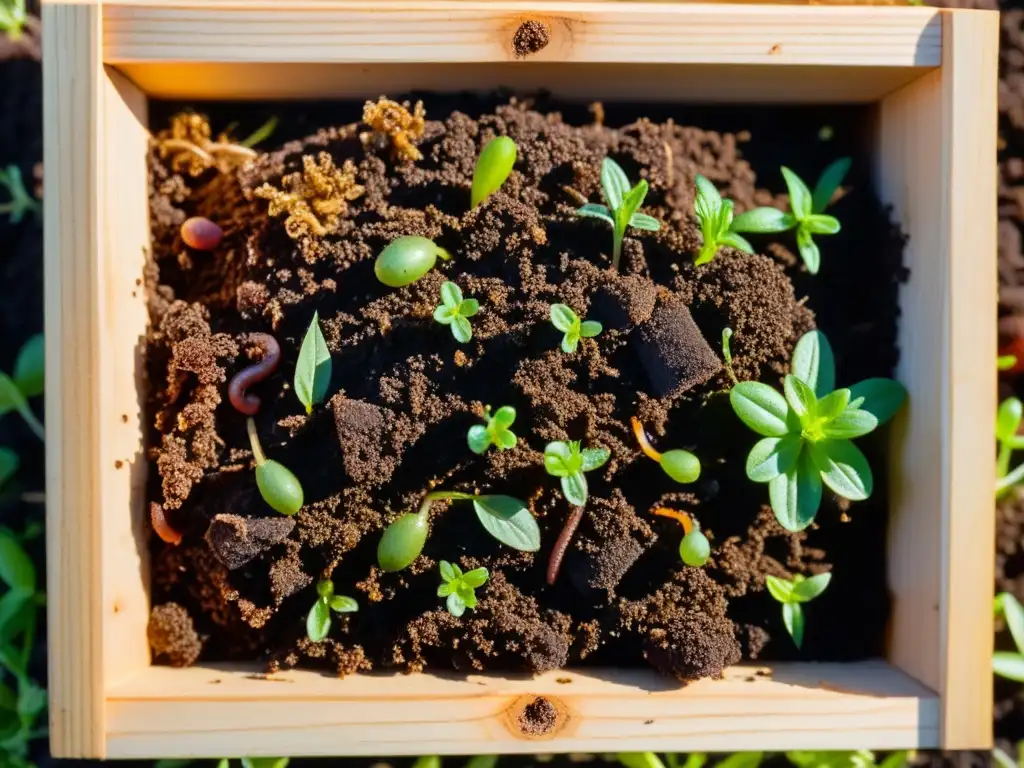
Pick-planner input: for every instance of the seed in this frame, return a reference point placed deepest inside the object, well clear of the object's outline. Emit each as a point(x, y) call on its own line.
point(682, 466)
point(201, 233)
point(694, 548)
point(279, 487)
point(406, 260)
point(402, 542)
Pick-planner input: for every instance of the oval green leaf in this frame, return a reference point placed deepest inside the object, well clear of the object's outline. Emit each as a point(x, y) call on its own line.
point(509, 521)
point(814, 364)
point(590, 328)
point(780, 589)
point(343, 604)
point(279, 487)
point(505, 416)
point(558, 459)
point(800, 199)
point(795, 495)
point(820, 224)
point(563, 318)
point(1009, 665)
point(831, 405)
point(16, 568)
point(882, 397)
point(772, 456)
point(594, 458)
point(682, 466)
point(811, 587)
point(793, 618)
point(760, 407)
point(455, 604)
point(475, 578)
point(574, 488)
point(313, 368)
point(318, 622)
point(843, 468)
point(451, 294)
point(850, 424)
point(808, 250)
point(614, 183)
point(405, 260)
point(492, 168)
point(800, 398)
point(461, 329)
point(762, 221)
point(402, 542)
point(478, 438)
point(29, 367)
point(828, 183)
point(1008, 418)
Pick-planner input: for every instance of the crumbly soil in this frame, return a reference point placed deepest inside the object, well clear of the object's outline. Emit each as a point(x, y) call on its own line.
point(404, 393)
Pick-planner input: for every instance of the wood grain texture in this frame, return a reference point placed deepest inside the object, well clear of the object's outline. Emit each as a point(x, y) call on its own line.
point(467, 31)
point(211, 711)
point(73, 164)
point(936, 166)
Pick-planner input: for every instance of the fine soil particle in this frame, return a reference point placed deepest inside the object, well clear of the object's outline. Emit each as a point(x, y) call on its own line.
point(531, 36)
point(172, 637)
point(404, 393)
point(538, 717)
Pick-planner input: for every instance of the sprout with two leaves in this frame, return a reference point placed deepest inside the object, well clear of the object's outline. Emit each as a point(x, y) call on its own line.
point(460, 588)
point(807, 434)
point(622, 204)
point(497, 432)
point(318, 622)
point(1008, 421)
point(570, 324)
point(455, 311)
point(792, 594)
point(568, 462)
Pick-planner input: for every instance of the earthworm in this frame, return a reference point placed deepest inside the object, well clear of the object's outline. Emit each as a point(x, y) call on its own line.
point(242, 400)
point(161, 526)
point(562, 544)
point(641, 437)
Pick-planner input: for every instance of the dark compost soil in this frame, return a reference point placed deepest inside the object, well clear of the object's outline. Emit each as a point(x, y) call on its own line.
point(404, 393)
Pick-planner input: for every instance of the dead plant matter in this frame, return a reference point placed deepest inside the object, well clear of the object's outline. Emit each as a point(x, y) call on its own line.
point(189, 146)
point(394, 120)
point(314, 198)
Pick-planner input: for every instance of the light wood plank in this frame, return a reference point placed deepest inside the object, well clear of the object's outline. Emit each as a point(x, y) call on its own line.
point(467, 31)
point(72, 127)
point(936, 166)
point(211, 711)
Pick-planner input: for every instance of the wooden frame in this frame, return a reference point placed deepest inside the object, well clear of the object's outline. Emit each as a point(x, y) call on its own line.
point(932, 74)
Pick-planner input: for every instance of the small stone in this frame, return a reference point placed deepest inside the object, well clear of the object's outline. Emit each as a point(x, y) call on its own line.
point(201, 233)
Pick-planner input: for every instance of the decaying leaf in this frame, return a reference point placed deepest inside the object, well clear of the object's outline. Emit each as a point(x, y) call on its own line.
point(314, 198)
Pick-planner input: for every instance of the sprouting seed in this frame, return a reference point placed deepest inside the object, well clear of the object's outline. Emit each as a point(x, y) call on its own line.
point(497, 432)
point(694, 549)
point(492, 168)
point(278, 486)
point(407, 259)
point(792, 594)
point(568, 462)
point(569, 323)
point(318, 621)
point(682, 466)
point(455, 311)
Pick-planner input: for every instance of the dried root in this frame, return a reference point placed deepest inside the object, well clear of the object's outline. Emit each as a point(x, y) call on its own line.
point(189, 146)
point(398, 124)
point(314, 198)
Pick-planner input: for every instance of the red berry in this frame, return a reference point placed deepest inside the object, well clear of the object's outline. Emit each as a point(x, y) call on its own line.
point(201, 233)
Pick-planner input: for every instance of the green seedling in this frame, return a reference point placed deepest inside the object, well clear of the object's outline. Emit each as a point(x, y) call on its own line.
point(807, 434)
point(1006, 362)
point(460, 588)
point(21, 201)
point(715, 217)
point(639, 760)
point(13, 15)
point(694, 549)
point(9, 463)
point(496, 432)
point(27, 382)
point(492, 168)
point(860, 758)
point(622, 203)
point(807, 212)
point(1008, 420)
point(22, 699)
point(455, 311)
point(682, 466)
point(792, 594)
point(278, 486)
point(318, 622)
point(727, 355)
point(261, 134)
point(313, 368)
point(1010, 664)
point(568, 462)
point(569, 323)
point(406, 260)
point(506, 518)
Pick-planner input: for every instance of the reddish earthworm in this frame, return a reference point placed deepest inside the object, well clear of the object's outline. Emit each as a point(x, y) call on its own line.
point(641, 437)
point(242, 400)
point(562, 544)
point(161, 526)
point(684, 519)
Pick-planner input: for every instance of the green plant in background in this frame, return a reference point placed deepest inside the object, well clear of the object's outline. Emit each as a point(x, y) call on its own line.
point(318, 622)
point(492, 168)
point(861, 758)
point(278, 486)
point(568, 462)
point(715, 217)
point(1005, 362)
point(807, 434)
point(21, 201)
point(807, 212)
point(569, 323)
point(496, 432)
point(506, 518)
point(792, 594)
point(13, 15)
point(460, 588)
point(313, 368)
point(1003, 760)
point(1008, 420)
point(622, 203)
point(262, 133)
point(407, 259)
point(22, 700)
point(224, 762)
point(27, 382)
point(454, 311)
point(1010, 664)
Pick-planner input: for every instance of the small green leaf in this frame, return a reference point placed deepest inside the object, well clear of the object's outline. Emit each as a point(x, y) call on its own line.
point(468, 596)
point(570, 341)
point(593, 458)
point(9, 463)
point(633, 200)
point(16, 568)
point(318, 622)
point(590, 328)
point(445, 315)
point(13, 605)
point(265, 762)
point(760, 407)
point(644, 222)
point(820, 224)
point(574, 488)
point(262, 133)
point(475, 578)
point(828, 183)
point(800, 198)
point(492, 168)
point(1014, 614)
point(795, 495)
point(313, 368)
point(763, 221)
point(1008, 418)
point(469, 307)
point(1009, 665)
point(594, 211)
point(478, 438)
point(445, 589)
point(456, 605)
point(843, 468)
point(559, 459)
point(506, 439)
point(402, 542)
point(614, 183)
point(811, 587)
point(814, 364)
point(780, 589)
point(343, 604)
point(640, 760)
point(849, 424)
point(451, 294)
point(325, 588)
point(447, 572)
point(833, 404)
point(509, 521)
point(708, 196)
point(882, 397)
point(461, 329)
point(1005, 362)
point(29, 367)
point(808, 250)
point(771, 456)
point(793, 618)
point(11, 398)
point(734, 240)
point(505, 416)
point(563, 318)
point(800, 398)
